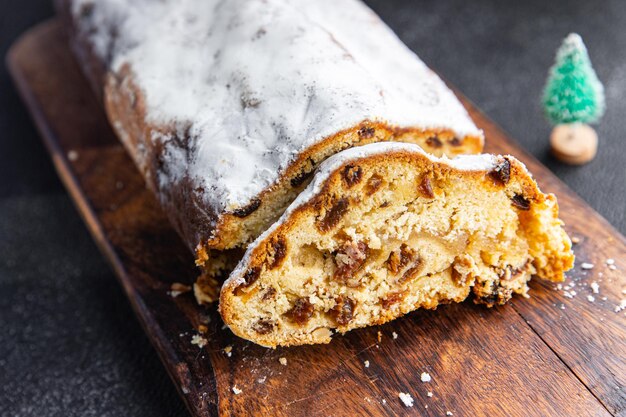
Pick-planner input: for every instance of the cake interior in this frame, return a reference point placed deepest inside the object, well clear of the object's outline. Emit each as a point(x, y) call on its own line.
point(387, 237)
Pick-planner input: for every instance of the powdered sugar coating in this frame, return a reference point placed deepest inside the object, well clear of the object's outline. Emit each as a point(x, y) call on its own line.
point(483, 162)
point(253, 83)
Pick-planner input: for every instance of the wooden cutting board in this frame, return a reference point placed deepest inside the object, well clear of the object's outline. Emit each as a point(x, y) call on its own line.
point(555, 354)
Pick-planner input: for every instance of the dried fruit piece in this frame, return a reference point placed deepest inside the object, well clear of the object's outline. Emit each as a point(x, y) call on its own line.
point(426, 187)
point(352, 174)
point(350, 259)
point(398, 259)
point(343, 311)
point(264, 326)
point(366, 132)
point(391, 299)
point(302, 311)
point(373, 184)
point(501, 174)
point(247, 210)
point(434, 142)
point(520, 202)
point(334, 215)
point(277, 252)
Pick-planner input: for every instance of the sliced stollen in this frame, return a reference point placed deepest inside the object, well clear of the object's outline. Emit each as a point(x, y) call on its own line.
point(385, 229)
point(228, 106)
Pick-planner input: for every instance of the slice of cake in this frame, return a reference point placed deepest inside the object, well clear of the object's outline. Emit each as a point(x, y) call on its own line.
point(385, 229)
point(227, 107)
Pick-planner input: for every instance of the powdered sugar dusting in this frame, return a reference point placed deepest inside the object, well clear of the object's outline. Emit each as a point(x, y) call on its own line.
point(253, 83)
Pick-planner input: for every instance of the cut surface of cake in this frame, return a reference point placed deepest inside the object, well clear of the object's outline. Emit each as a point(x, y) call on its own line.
point(227, 107)
point(385, 229)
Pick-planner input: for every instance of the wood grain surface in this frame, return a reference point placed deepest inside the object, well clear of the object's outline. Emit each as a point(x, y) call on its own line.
point(554, 354)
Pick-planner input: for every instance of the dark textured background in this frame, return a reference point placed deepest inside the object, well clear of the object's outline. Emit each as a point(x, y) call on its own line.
point(69, 344)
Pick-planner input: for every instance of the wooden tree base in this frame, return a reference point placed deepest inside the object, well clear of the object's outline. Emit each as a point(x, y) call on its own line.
point(574, 143)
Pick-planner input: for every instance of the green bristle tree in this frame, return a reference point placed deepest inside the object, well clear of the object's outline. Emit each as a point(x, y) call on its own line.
point(573, 92)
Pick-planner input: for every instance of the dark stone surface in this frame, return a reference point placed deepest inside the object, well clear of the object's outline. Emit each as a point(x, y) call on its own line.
point(69, 342)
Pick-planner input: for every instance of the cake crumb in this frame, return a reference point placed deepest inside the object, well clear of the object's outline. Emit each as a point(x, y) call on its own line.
point(228, 350)
point(449, 413)
point(72, 155)
point(425, 377)
point(612, 267)
point(380, 336)
point(198, 341)
point(591, 298)
point(587, 265)
point(595, 287)
point(575, 240)
point(202, 328)
point(283, 361)
point(429, 394)
point(610, 261)
point(261, 380)
point(236, 390)
point(384, 401)
point(406, 399)
point(366, 363)
point(394, 335)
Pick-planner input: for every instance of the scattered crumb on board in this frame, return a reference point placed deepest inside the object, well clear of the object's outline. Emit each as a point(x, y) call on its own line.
point(425, 377)
point(406, 399)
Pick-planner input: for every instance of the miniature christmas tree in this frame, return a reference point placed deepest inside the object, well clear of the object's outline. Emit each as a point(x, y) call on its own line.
point(573, 96)
point(573, 92)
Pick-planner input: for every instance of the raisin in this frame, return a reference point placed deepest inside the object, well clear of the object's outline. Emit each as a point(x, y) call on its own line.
point(520, 202)
point(412, 271)
point(264, 326)
point(426, 187)
point(398, 260)
point(391, 299)
point(350, 259)
point(277, 252)
point(251, 276)
point(300, 179)
point(352, 174)
point(334, 215)
point(455, 142)
point(434, 142)
point(373, 184)
point(343, 311)
point(302, 311)
point(366, 132)
point(245, 211)
point(269, 294)
point(501, 174)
